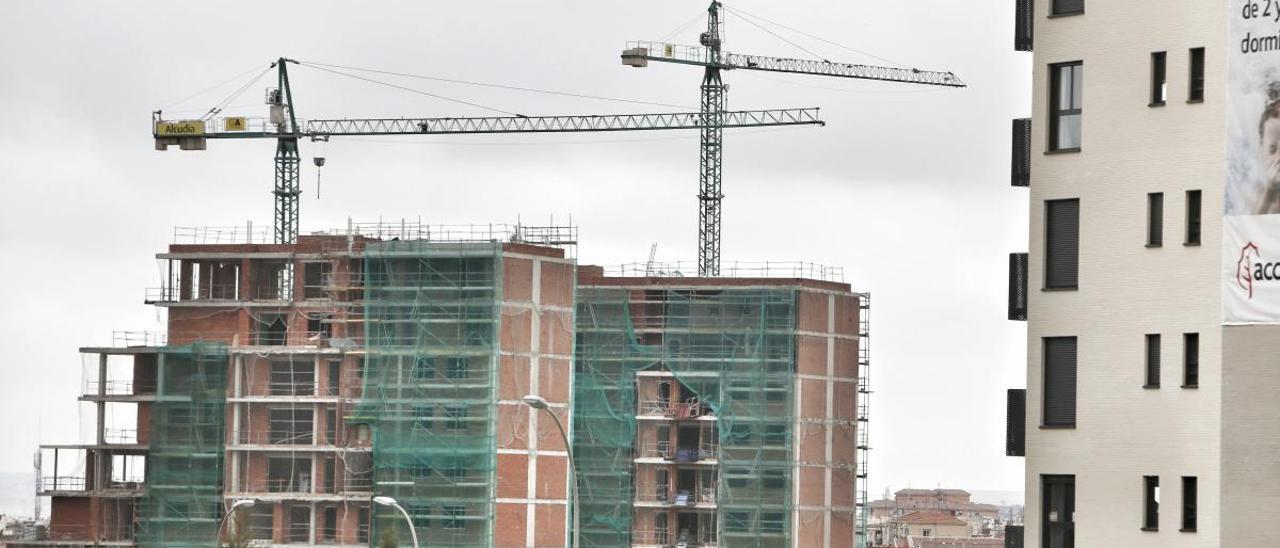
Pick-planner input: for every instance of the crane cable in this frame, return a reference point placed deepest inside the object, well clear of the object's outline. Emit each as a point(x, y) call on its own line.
point(780, 37)
point(411, 90)
point(208, 89)
point(498, 86)
point(742, 14)
point(235, 94)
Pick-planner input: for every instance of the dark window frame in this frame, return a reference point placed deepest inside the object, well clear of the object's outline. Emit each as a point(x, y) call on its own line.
point(1190, 360)
point(1152, 361)
point(1150, 503)
point(1195, 207)
point(1049, 246)
point(1055, 101)
point(1190, 498)
point(1159, 79)
point(1048, 392)
point(1057, 9)
point(1155, 219)
point(1195, 75)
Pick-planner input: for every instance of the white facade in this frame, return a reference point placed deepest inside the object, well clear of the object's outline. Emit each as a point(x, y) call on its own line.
point(1127, 290)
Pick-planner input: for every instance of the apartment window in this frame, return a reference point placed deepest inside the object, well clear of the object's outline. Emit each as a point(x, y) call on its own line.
point(1066, 106)
point(1150, 503)
point(1155, 219)
point(362, 529)
point(457, 368)
point(1062, 244)
point(1068, 7)
point(1057, 511)
point(1188, 503)
point(1190, 360)
point(422, 417)
point(457, 418)
point(421, 516)
point(453, 516)
point(1159, 82)
point(292, 378)
point(1059, 382)
point(315, 276)
point(1153, 362)
point(1195, 91)
point(423, 368)
point(261, 519)
point(1193, 217)
point(774, 479)
point(290, 426)
point(772, 523)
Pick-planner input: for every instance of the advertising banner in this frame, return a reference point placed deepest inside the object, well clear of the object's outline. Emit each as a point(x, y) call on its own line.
point(1251, 201)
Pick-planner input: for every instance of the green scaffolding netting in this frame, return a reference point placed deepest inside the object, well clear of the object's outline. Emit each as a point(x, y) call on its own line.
point(431, 314)
point(734, 350)
point(183, 502)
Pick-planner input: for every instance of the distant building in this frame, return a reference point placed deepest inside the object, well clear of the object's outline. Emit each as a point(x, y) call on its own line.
point(981, 519)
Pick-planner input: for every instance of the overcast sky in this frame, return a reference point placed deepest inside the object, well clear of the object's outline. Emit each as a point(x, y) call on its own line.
point(907, 188)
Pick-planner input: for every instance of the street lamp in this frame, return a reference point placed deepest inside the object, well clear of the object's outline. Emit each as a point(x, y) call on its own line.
point(388, 501)
point(537, 402)
point(242, 503)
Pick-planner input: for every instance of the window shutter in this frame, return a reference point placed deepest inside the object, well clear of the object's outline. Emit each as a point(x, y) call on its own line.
point(1153, 360)
point(1061, 7)
point(1062, 243)
point(1022, 30)
point(1060, 381)
point(1155, 219)
point(1021, 169)
point(1018, 287)
point(1015, 431)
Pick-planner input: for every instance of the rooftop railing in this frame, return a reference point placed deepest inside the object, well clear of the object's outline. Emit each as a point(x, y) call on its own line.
point(733, 269)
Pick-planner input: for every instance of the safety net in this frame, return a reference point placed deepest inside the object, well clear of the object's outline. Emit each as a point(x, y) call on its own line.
point(183, 502)
point(431, 318)
point(732, 352)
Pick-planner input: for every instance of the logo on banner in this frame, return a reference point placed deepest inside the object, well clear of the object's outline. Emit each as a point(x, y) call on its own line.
point(1252, 268)
point(1244, 267)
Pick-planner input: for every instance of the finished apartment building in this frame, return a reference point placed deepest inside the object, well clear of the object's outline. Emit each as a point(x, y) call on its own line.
point(392, 361)
point(1148, 417)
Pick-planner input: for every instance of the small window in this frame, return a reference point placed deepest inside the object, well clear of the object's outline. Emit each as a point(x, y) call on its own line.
point(1150, 503)
point(457, 368)
point(315, 279)
point(453, 516)
point(1188, 503)
point(772, 523)
point(422, 417)
point(1068, 7)
point(1159, 82)
point(421, 514)
point(457, 418)
point(1062, 244)
point(1193, 217)
point(1153, 361)
point(774, 479)
point(1066, 107)
point(424, 368)
point(1155, 219)
point(1195, 93)
point(775, 435)
point(1190, 360)
point(1059, 382)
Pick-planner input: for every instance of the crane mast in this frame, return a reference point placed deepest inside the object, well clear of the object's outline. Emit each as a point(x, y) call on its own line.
point(714, 60)
point(711, 154)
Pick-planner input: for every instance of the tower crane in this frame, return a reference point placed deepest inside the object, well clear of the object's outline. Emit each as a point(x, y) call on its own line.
point(714, 120)
point(287, 130)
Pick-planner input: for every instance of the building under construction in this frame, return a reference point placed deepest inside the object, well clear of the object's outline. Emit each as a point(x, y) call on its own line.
point(391, 361)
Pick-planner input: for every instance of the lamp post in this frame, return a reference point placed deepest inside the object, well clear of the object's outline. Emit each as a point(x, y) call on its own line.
point(242, 503)
point(388, 501)
point(537, 402)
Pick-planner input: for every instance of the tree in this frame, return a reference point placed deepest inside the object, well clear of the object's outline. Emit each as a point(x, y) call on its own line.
point(388, 539)
point(239, 535)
